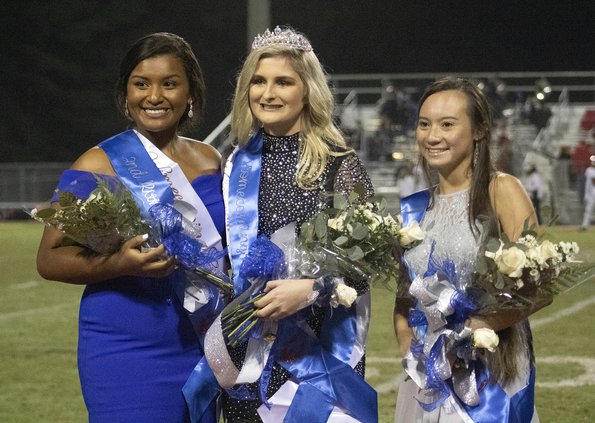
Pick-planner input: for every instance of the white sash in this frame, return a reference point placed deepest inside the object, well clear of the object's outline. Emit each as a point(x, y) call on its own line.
point(189, 204)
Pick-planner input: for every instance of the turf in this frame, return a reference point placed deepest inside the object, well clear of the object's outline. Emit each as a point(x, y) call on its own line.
point(38, 335)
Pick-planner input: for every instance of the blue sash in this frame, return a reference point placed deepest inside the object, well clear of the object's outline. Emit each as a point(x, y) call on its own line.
point(145, 181)
point(494, 405)
point(137, 170)
point(244, 183)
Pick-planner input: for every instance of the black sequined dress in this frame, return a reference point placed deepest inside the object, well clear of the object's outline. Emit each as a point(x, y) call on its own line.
point(280, 202)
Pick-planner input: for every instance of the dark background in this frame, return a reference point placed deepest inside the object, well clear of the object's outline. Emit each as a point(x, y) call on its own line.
point(60, 57)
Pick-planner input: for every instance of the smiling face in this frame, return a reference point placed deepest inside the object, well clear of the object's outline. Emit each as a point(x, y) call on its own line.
point(277, 96)
point(158, 94)
point(445, 133)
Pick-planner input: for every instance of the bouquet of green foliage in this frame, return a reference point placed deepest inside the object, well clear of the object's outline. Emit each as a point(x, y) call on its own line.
point(110, 216)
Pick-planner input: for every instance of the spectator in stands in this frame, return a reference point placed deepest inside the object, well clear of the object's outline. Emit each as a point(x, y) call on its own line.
point(579, 162)
point(137, 343)
point(536, 188)
point(540, 114)
point(589, 194)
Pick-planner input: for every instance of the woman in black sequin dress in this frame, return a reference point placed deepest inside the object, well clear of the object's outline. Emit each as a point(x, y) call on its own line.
point(282, 119)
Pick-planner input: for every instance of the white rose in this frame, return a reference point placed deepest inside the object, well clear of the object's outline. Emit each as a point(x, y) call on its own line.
point(547, 250)
point(337, 223)
point(511, 262)
point(344, 295)
point(534, 254)
point(410, 234)
point(485, 338)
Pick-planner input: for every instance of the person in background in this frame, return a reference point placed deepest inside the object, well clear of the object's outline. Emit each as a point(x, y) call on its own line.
point(579, 163)
point(589, 194)
point(470, 201)
point(536, 187)
point(292, 156)
point(137, 345)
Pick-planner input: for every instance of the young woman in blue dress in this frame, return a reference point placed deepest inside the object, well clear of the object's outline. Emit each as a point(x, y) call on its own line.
point(137, 344)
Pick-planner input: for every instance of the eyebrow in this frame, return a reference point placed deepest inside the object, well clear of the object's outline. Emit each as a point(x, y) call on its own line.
point(442, 118)
point(256, 75)
point(173, 75)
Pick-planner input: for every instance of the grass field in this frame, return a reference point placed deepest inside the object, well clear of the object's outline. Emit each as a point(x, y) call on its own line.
point(38, 335)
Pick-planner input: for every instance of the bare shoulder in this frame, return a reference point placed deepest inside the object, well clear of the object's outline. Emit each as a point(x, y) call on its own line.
point(199, 147)
point(94, 160)
point(511, 204)
point(503, 186)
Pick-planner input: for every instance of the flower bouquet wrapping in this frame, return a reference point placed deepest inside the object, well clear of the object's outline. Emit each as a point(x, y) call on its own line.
point(351, 241)
point(507, 275)
point(110, 216)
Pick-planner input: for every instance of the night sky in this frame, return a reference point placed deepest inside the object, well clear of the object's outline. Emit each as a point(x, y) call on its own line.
point(60, 57)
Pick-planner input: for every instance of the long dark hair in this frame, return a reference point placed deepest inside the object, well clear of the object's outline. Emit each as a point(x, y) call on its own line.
point(482, 168)
point(158, 44)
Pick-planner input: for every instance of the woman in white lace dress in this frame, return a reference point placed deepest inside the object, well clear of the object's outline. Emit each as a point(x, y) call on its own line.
point(471, 199)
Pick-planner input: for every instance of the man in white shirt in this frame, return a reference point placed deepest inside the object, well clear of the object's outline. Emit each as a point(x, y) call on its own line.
point(589, 194)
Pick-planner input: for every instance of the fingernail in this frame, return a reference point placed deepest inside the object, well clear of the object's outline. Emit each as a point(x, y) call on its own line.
point(145, 237)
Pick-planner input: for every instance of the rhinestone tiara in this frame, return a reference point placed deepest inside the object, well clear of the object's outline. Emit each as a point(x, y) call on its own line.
point(281, 37)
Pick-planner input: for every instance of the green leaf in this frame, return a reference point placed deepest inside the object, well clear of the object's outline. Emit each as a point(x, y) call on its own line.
point(341, 240)
point(340, 202)
point(355, 253)
point(481, 265)
point(499, 283)
point(353, 196)
point(320, 225)
point(46, 213)
point(382, 204)
point(359, 231)
point(493, 245)
point(66, 198)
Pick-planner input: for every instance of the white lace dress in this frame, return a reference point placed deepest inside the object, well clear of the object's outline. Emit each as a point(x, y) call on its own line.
point(447, 230)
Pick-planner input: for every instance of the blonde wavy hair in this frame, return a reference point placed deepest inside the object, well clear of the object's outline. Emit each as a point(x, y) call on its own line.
point(320, 137)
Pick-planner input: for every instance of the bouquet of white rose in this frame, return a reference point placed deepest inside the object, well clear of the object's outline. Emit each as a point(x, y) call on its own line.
point(518, 274)
point(349, 240)
point(110, 216)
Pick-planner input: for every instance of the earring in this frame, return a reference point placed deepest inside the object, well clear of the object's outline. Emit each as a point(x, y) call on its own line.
point(475, 155)
point(126, 112)
point(190, 111)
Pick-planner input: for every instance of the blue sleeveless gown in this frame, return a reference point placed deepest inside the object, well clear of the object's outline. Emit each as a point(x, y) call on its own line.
point(136, 345)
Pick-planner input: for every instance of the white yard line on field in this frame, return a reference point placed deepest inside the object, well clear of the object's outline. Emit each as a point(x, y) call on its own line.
point(31, 312)
point(585, 378)
point(575, 308)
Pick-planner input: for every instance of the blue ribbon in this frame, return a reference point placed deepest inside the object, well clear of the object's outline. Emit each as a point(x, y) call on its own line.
point(188, 250)
point(200, 391)
point(496, 406)
point(325, 380)
point(244, 183)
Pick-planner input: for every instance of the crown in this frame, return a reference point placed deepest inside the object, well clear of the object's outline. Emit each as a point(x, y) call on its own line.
point(281, 37)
